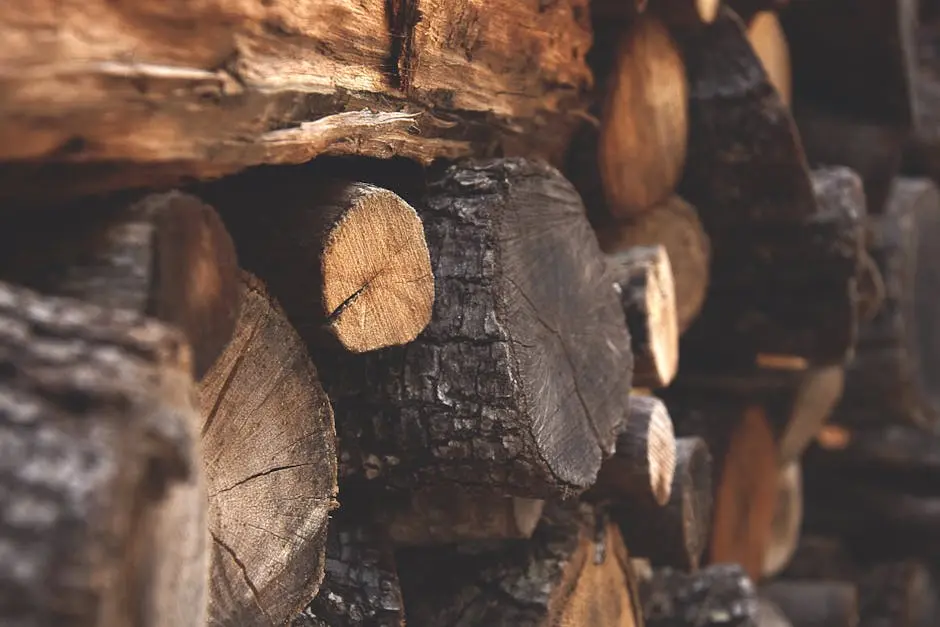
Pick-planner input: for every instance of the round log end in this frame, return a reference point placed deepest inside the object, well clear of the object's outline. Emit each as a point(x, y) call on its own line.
point(661, 451)
point(770, 45)
point(378, 288)
point(707, 10)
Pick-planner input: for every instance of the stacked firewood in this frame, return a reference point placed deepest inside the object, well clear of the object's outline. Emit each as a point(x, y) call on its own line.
point(545, 313)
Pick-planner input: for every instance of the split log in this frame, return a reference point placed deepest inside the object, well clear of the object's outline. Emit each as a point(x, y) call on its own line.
point(721, 594)
point(102, 515)
point(675, 226)
point(522, 378)
point(360, 587)
point(641, 149)
point(448, 515)
point(166, 255)
point(895, 376)
point(770, 45)
point(787, 521)
point(269, 448)
point(816, 396)
point(676, 534)
point(574, 571)
point(790, 241)
point(815, 603)
point(348, 261)
point(251, 83)
point(648, 296)
point(643, 466)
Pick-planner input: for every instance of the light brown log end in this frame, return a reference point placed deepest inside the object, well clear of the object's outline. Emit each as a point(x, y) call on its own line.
point(787, 521)
point(643, 131)
point(816, 397)
point(770, 45)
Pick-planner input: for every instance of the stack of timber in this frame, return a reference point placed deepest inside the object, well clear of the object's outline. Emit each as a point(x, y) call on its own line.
point(538, 313)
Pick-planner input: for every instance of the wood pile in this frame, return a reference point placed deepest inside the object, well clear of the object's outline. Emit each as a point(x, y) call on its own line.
point(538, 313)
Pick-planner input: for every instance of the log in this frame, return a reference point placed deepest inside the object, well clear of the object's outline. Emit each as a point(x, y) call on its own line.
point(448, 516)
point(347, 260)
point(720, 594)
point(770, 222)
point(674, 13)
point(102, 515)
point(769, 615)
point(360, 586)
point(894, 376)
point(648, 297)
point(750, 10)
point(641, 148)
point(269, 449)
point(675, 226)
point(166, 255)
point(251, 83)
point(676, 534)
point(643, 466)
point(770, 45)
point(788, 518)
point(574, 571)
point(816, 397)
point(901, 593)
point(521, 380)
point(815, 603)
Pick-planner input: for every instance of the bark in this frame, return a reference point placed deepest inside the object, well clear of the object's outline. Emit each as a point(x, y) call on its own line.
point(788, 240)
point(521, 381)
point(720, 594)
point(248, 83)
point(648, 297)
point(347, 260)
point(574, 571)
point(770, 45)
point(815, 603)
point(675, 225)
point(269, 448)
point(446, 516)
point(165, 255)
point(894, 376)
point(644, 462)
point(641, 149)
point(788, 518)
point(103, 515)
point(676, 534)
point(360, 587)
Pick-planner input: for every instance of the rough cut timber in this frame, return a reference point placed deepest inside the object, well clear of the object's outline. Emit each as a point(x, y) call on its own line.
point(770, 45)
point(256, 82)
point(895, 375)
point(675, 225)
point(648, 296)
point(644, 462)
point(347, 260)
point(812, 603)
point(269, 449)
point(641, 148)
point(360, 587)
point(719, 595)
point(677, 533)
point(521, 381)
point(446, 515)
point(166, 255)
point(789, 241)
point(574, 571)
point(102, 497)
point(788, 518)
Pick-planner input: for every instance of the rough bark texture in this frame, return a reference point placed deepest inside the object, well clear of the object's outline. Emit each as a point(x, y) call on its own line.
point(815, 603)
point(644, 462)
point(676, 534)
point(648, 297)
point(789, 241)
point(521, 381)
point(166, 255)
point(255, 82)
point(360, 587)
point(270, 457)
point(447, 515)
point(895, 376)
point(347, 260)
point(675, 225)
point(721, 595)
point(102, 498)
point(574, 571)
point(641, 149)
point(788, 518)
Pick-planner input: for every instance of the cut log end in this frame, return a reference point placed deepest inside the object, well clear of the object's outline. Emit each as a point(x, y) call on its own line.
point(647, 292)
point(378, 288)
point(770, 45)
point(788, 518)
